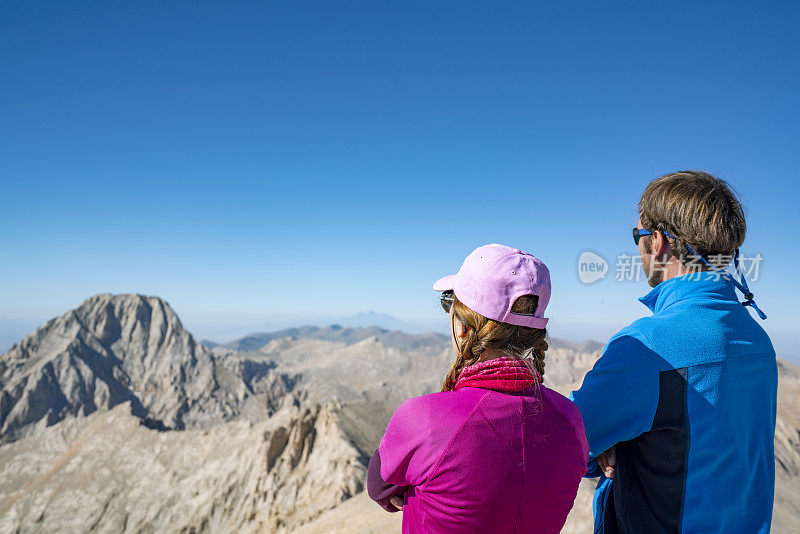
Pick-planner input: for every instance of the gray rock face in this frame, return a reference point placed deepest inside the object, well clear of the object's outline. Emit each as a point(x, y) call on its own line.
point(115, 349)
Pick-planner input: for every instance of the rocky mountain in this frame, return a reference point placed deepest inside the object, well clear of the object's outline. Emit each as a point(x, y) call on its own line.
point(116, 349)
point(113, 419)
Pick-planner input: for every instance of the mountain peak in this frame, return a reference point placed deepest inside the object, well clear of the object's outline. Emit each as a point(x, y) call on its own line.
point(109, 350)
point(133, 321)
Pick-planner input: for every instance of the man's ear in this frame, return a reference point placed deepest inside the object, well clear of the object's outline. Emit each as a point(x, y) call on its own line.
point(662, 250)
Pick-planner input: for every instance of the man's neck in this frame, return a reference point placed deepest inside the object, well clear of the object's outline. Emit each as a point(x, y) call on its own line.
point(676, 268)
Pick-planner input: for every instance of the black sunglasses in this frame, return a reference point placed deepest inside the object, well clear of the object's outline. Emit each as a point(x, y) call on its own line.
point(639, 233)
point(447, 300)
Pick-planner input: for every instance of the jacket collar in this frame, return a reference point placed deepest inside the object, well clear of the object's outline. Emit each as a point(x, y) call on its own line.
point(705, 284)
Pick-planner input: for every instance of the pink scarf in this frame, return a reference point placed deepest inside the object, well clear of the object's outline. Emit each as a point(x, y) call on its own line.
point(500, 374)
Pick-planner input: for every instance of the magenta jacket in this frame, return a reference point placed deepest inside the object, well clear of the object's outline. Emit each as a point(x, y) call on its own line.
point(505, 456)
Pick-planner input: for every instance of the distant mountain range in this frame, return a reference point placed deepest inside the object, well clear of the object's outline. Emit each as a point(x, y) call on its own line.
point(347, 335)
point(370, 320)
point(384, 320)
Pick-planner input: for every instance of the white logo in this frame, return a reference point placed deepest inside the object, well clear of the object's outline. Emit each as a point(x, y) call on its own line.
point(591, 267)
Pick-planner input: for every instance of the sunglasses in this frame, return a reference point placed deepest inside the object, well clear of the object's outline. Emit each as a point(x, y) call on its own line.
point(447, 300)
point(639, 233)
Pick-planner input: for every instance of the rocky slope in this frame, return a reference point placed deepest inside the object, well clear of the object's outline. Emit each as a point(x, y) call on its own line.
point(108, 473)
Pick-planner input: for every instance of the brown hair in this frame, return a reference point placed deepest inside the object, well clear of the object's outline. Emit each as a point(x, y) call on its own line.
point(698, 208)
point(486, 333)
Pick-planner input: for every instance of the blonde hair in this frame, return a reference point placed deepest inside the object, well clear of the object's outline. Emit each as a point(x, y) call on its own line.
point(527, 344)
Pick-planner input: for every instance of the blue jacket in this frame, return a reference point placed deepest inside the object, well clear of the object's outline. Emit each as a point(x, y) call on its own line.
point(688, 396)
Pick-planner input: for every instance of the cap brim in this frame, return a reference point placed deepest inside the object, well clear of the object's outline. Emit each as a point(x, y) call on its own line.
point(445, 283)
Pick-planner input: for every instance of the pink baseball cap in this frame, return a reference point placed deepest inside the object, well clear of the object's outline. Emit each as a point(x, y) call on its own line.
point(493, 277)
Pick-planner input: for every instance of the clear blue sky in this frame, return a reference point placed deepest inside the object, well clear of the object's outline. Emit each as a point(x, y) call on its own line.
point(255, 162)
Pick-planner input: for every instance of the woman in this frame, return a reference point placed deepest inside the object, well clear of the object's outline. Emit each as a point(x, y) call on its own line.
point(494, 451)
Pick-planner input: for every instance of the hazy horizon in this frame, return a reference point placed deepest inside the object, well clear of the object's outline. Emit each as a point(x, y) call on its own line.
point(223, 328)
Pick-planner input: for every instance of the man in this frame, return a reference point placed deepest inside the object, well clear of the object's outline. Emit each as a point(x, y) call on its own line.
point(680, 408)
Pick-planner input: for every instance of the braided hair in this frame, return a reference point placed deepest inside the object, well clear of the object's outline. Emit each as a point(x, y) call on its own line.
point(527, 344)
